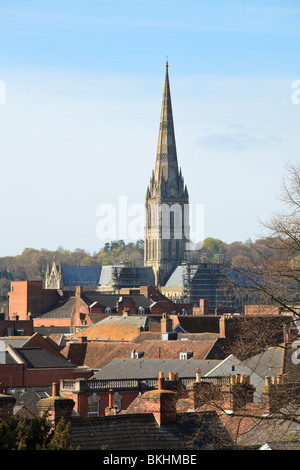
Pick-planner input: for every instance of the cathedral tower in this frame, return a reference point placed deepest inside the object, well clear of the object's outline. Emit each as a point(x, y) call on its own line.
point(166, 206)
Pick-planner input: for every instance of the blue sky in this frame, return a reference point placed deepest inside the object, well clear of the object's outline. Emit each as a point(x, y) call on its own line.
point(83, 89)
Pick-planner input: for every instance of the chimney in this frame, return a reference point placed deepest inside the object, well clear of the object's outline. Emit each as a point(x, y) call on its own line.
point(203, 307)
point(166, 324)
point(275, 393)
point(82, 339)
point(58, 407)
point(111, 409)
point(78, 291)
point(161, 381)
point(201, 392)
point(226, 326)
point(162, 403)
point(237, 393)
point(7, 403)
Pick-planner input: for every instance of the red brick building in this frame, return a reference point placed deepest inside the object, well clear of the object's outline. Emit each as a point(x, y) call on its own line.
point(28, 298)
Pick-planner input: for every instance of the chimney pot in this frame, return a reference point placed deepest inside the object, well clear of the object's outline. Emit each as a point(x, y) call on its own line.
point(161, 380)
point(55, 389)
point(111, 398)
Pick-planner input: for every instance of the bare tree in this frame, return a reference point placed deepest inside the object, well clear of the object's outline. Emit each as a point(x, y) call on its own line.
point(274, 279)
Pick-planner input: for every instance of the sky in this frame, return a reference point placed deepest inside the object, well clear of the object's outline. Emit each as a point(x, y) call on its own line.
point(81, 88)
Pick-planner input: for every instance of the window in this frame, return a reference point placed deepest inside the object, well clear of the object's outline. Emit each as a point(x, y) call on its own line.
point(93, 409)
point(93, 405)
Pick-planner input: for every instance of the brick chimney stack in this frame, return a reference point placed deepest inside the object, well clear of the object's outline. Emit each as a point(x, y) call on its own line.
point(166, 324)
point(111, 409)
point(275, 393)
point(162, 403)
point(237, 393)
point(58, 407)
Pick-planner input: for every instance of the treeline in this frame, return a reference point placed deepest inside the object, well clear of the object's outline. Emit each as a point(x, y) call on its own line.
point(31, 264)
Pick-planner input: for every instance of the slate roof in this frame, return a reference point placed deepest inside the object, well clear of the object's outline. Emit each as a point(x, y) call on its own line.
point(110, 300)
point(52, 331)
point(176, 277)
point(140, 432)
point(150, 368)
point(81, 275)
point(29, 396)
point(268, 363)
point(122, 432)
point(93, 276)
point(14, 341)
point(60, 309)
point(40, 358)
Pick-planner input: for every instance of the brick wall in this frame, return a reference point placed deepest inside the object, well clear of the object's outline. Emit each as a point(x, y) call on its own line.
point(16, 375)
point(29, 297)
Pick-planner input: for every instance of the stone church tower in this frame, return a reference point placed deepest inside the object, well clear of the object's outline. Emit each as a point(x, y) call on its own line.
point(166, 205)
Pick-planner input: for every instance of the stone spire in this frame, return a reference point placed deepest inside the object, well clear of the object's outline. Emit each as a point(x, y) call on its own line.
point(167, 179)
point(165, 240)
point(166, 167)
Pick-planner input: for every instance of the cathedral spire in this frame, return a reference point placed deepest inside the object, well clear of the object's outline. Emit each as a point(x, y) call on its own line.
point(166, 219)
point(166, 167)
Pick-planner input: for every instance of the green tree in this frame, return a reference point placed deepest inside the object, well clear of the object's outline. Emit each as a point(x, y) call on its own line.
point(35, 435)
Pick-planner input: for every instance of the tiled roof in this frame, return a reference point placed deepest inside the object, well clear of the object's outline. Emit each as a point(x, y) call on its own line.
point(96, 354)
point(122, 432)
point(118, 328)
point(279, 428)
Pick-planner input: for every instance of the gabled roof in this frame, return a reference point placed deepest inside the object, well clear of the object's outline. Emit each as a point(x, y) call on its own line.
point(96, 355)
point(62, 308)
point(268, 363)
point(36, 358)
point(29, 396)
point(14, 341)
point(110, 300)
